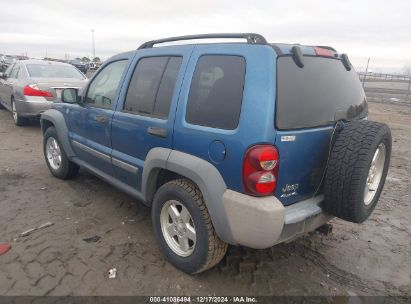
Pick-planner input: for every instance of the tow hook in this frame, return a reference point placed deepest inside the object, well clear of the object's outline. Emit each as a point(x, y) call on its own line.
point(325, 229)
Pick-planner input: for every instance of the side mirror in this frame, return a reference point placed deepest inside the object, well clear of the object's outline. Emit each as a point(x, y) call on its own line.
point(3, 75)
point(69, 95)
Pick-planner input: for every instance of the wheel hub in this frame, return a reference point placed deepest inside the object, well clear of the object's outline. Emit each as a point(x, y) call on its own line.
point(53, 153)
point(374, 174)
point(178, 228)
point(14, 110)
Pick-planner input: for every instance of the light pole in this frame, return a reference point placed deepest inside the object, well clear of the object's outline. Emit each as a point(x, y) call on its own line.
point(94, 49)
point(366, 72)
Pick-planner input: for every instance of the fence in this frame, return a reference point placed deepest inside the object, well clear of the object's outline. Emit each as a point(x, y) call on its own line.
point(384, 77)
point(379, 87)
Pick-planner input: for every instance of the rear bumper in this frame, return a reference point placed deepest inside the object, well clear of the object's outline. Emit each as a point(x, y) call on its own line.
point(261, 222)
point(32, 108)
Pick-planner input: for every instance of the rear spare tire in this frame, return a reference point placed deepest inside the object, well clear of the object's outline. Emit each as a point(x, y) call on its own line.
point(357, 169)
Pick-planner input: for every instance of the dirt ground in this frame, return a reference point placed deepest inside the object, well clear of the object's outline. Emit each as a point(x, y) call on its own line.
point(373, 258)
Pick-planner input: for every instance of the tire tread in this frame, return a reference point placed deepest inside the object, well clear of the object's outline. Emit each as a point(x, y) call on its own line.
point(216, 248)
point(348, 162)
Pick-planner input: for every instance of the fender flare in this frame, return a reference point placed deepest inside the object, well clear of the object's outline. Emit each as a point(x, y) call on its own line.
point(201, 172)
point(57, 119)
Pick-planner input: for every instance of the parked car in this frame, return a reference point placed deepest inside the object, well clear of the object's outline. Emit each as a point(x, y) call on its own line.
point(82, 66)
point(247, 144)
point(91, 66)
point(29, 87)
point(6, 61)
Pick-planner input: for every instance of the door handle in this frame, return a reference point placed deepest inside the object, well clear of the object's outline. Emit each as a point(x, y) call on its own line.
point(101, 119)
point(160, 132)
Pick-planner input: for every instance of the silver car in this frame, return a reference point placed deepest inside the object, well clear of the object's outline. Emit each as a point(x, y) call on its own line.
point(29, 87)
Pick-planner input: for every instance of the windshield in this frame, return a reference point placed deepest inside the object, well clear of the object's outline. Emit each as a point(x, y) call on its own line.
point(318, 94)
point(53, 71)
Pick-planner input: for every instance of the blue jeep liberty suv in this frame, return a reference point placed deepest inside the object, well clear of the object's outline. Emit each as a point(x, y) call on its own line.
point(244, 143)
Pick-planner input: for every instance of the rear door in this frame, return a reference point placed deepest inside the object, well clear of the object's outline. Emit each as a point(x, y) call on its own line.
point(310, 99)
point(6, 87)
point(3, 87)
point(90, 124)
point(144, 117)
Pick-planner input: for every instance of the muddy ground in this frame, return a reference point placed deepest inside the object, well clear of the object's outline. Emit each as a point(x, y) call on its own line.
point(373, 258)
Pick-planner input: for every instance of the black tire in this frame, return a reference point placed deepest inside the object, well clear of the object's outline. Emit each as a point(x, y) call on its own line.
point(19, 120)
point(209, 249)
point(348, 169)
point(67, 168)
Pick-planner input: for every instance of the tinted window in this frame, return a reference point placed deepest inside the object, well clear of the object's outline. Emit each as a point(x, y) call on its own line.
point(216, 92)
point(152, 85)
point(8, 71)
point(53, 71)
point(103, 89)
point(320, 93)
point(15, 72)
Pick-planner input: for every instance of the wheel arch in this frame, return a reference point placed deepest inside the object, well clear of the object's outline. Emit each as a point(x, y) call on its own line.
point(45, 124)
point(53, 118)
point(162, 165)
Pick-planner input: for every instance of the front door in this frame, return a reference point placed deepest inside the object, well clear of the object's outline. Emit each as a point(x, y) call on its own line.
point(90, 123)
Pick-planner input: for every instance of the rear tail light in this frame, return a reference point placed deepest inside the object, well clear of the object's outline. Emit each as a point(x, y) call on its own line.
point(319, 51)
point(33, 90)
point(260, 170)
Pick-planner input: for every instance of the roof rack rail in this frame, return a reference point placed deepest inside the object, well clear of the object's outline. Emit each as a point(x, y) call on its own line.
point(250, 37)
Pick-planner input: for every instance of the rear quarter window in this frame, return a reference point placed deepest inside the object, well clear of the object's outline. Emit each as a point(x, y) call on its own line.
point(216, 92)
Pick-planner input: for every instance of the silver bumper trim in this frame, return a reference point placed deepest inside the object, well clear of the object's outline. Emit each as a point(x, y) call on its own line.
point(299, 211)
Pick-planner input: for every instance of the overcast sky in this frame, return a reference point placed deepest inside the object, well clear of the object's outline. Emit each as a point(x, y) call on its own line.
point(362, 28)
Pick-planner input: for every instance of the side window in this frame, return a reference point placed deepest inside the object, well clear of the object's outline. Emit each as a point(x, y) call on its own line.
point(9, 70)
point(151, 88)
point(15, 72)
point(103, 89)
point(216, 92)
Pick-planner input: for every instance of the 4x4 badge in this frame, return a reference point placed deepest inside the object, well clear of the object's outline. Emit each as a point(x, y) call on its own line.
point(289, 190)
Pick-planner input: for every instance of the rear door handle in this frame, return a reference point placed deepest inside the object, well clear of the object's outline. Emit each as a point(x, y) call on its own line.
point(101, 119)
point(160, 132)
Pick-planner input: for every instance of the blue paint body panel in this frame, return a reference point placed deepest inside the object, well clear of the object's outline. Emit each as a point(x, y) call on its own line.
point(302, 162)
point(257, 111)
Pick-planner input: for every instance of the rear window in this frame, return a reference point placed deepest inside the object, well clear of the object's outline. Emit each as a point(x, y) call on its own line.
point(216, 92)
point(318, 94)
point(53, 71)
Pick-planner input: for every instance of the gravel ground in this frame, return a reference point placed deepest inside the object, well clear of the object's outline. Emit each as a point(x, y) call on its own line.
point(388, 91)
point(368, 259)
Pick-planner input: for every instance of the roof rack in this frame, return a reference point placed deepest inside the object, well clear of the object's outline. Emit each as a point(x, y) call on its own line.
point(250, 37)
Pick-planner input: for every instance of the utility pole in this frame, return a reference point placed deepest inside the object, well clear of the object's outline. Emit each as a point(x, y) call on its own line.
point(366, 71)
point(94, 49)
